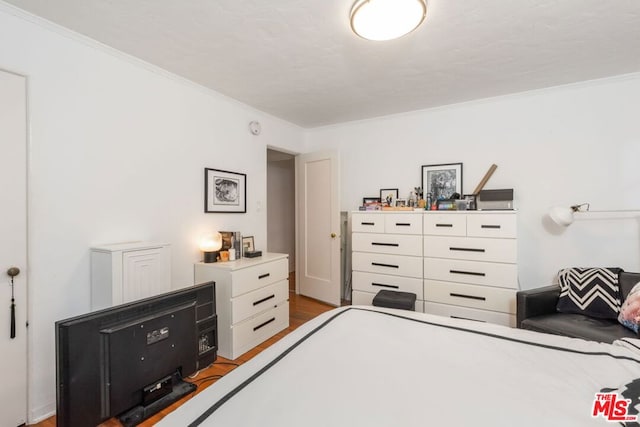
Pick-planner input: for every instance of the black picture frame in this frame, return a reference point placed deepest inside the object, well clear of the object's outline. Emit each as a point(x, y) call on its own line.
point(247, 244)
point(442, 181)
point(224, 191)
point(388, 193)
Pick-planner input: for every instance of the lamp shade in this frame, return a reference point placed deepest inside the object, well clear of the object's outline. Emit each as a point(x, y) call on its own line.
point(386, 19)
point(211, 242)
point(562, 216)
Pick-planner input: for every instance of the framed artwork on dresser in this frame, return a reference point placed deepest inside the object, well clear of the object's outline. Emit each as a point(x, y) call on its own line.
point(388, 196)
point(247, 244)
point(225, 191)
point(442, 181)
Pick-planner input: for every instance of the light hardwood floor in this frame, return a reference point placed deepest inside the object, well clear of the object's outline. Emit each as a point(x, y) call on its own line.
point(301, 310)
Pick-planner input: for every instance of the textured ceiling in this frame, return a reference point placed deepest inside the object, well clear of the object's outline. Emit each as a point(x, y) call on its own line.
point(298, 60)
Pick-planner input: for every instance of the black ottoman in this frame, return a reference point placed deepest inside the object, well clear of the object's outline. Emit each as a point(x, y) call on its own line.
point(395, 299)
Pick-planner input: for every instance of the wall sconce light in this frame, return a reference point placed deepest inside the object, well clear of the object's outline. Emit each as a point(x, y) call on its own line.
point(211, 244)
point(564, 216)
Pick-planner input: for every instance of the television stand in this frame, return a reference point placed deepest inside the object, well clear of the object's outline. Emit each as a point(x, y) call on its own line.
point(137, 414)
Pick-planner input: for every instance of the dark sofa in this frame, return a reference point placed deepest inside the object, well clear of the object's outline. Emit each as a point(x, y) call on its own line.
point(536, 311)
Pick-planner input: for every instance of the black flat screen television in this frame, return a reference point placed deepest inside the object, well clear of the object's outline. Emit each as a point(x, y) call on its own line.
point(128, 361)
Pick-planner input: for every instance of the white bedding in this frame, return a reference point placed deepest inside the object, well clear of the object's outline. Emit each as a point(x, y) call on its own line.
point(364, 366)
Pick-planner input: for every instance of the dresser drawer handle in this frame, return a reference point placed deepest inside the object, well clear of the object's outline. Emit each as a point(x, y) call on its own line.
point(468, 318)
point(264, 299)
point(262, 325)
point(377, 264)
point(491, 226)
point(395, 245)
point(444, 225)
point(263, 276)
point(403, 224)
point(467, 296)
point(466, 249)
point(469, 273)
point(367, 223)
point(382, 285)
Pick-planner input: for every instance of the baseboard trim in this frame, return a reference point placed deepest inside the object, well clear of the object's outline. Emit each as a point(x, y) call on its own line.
point(42, 413)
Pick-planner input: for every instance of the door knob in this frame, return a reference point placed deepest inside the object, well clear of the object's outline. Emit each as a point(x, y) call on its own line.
point(13, 272)
point(333, 235)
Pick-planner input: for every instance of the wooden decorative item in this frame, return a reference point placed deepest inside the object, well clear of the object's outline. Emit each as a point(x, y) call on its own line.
point(484, 180)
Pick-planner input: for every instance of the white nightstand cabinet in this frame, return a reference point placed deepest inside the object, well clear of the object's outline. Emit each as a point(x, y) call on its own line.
point(387, 254)
point(252, 300)
point(470, 265)
point(124, 272)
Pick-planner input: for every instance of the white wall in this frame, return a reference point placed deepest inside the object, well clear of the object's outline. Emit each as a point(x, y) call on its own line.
point(117, 153)
point(560, 146)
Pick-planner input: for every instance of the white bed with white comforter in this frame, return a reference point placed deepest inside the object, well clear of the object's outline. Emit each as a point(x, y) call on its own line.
point(366, 366)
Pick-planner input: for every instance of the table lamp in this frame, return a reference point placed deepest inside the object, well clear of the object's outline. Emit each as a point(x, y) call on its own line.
point(211, 244)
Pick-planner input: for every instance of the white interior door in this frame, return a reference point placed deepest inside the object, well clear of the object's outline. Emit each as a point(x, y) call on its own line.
point(13, 247)
point(318, 214)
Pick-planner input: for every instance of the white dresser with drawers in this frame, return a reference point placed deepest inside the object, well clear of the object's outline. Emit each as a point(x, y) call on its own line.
point(387, 254)
point(252, 300)
point(468, 261)
point(470, 265)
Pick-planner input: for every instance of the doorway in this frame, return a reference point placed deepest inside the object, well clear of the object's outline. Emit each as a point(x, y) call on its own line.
point(303, 220)
point(281, 208)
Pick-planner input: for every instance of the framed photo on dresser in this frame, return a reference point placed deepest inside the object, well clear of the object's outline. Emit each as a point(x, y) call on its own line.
point(442, 181)
point(388, 196)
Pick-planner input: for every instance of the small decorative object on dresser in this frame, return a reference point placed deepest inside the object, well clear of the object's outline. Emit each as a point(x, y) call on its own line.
point(442, 181)
point(231, 241)
point(371, 202)
point(247, 245)
point(224, 191)
point(446, 205)
point(470, 200)
point(388, 196)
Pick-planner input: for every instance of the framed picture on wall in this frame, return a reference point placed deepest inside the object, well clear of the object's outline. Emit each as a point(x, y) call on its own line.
point(225, 191)
point(388, 196)
point(442, 181)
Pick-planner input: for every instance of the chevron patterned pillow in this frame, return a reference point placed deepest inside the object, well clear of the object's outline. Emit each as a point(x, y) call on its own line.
point(590, 291)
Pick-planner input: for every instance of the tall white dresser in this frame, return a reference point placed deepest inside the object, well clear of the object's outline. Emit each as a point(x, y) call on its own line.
point(459, 264)
point(470, 265)
point(124, 272)
point(252, 300)
point(387, 254)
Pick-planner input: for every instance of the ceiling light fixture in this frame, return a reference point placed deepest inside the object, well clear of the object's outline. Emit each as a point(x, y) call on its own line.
point(386, 19)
